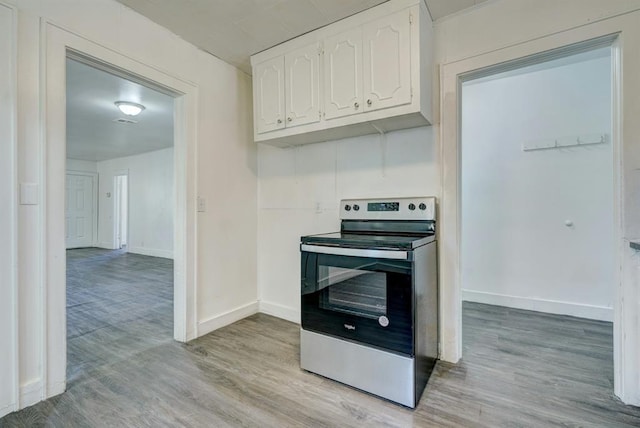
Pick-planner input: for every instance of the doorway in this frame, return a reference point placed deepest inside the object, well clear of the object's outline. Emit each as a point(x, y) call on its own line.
point(537, 262)
point(119, 296)
point(537, 187)
point(59, 46)
point(604, 33)
point(121, 208)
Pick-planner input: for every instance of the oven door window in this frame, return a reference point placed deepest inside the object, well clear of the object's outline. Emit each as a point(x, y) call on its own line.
point(366, 300)
point(353, 291)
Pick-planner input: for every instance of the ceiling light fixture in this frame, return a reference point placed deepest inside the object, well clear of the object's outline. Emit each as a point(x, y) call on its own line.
point(130, 109)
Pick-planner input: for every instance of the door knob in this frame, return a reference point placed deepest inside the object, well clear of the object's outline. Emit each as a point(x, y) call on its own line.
point(289, 119)
point(279, 120)
point(356, 105)
point(368, 102)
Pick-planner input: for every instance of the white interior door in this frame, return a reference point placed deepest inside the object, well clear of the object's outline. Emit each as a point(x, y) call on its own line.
point(79, 212)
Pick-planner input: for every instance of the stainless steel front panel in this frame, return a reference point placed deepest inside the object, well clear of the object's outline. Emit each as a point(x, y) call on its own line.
point(418, 208)
point(385, 374)
point(355, 252)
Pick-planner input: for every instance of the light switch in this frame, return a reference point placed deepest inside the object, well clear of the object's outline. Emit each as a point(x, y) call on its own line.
point(29, 194)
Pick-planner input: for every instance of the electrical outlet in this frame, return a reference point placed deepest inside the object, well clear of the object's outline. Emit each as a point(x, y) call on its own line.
point(318, 208)
point(202, 204)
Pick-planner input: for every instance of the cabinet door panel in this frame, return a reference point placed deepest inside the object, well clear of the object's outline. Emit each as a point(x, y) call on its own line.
point(269, 84)
point(387, 62)
point(302, 92)
point(343, 74)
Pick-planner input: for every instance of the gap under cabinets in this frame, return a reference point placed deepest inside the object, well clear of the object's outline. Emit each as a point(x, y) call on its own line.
point(368, 73)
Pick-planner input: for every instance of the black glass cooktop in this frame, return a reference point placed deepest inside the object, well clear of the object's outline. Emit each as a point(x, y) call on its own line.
point(353, 240)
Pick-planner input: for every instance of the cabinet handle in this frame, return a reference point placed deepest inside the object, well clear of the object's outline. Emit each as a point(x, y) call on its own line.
point(369, 102)
point(279, 120)
point(356, 105)
point(289, 119)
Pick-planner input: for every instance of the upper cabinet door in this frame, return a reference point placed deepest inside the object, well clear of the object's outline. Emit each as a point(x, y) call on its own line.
point(268, 80)
point(302, 74)
point(343, 74)
point(387, 61)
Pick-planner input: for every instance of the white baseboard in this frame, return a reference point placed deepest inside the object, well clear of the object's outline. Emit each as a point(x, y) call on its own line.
point(280, 311)
point(154, 252)
point(8, 409)
point(30, 393)
point(56, 389)
point(214, 323)
point(601, 313)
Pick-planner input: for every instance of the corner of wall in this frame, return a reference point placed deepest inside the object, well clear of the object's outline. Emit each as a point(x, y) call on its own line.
point(226, 318)
point(280, 311)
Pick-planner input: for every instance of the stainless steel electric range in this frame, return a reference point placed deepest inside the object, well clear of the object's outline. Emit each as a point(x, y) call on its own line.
point(370, 298)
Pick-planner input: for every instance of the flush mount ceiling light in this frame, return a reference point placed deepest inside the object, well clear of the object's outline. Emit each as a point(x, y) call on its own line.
point(130, 109)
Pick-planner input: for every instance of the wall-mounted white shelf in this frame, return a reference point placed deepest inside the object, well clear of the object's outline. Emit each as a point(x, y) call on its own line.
point(564, 142)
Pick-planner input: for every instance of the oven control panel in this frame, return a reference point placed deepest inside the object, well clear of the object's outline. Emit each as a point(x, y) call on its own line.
point(418, 208)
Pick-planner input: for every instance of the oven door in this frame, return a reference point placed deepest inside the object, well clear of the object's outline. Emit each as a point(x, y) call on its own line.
point(361, 295)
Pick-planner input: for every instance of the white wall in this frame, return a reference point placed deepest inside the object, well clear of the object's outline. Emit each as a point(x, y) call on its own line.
point(299, 192)
point(8, 368)
point(81, 165)
point(516, 249)
point(226, 162)
point(293, 181)
point(151, 202)
point(501, 23)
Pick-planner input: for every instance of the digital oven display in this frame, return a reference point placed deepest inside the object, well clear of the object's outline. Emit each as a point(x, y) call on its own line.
point(383, 206)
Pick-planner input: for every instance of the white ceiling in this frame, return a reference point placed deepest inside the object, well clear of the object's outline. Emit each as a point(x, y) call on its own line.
point(233, 30)
point(91, 133)
point(441, 8)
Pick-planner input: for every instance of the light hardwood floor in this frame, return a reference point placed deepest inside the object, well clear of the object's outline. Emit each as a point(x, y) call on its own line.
point(520, 368)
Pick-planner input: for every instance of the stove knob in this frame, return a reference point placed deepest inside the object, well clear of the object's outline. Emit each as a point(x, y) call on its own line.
point(356, 207)
point(347, 207)
point(412, 207)
point(422, 207)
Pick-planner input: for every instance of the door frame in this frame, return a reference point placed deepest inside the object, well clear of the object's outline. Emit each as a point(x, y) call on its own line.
point(59, 45)
point(626, 34)
point(10, 361)
point(116, 195)
point(94, 208)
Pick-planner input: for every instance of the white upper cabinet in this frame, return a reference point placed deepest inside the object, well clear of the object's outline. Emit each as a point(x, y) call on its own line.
point(387, 61)
point(368, 73)
point(343, 74)
point(269, 95)
point(302, 91)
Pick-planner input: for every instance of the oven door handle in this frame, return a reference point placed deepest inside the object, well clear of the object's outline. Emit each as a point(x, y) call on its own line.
point(355, 252)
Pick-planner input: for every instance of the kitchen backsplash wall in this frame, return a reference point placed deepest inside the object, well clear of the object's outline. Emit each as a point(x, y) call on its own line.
point(299, 190)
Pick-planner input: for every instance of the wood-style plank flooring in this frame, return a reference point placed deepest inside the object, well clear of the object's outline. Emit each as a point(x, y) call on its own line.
point(520, 368)
point(118, 304)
